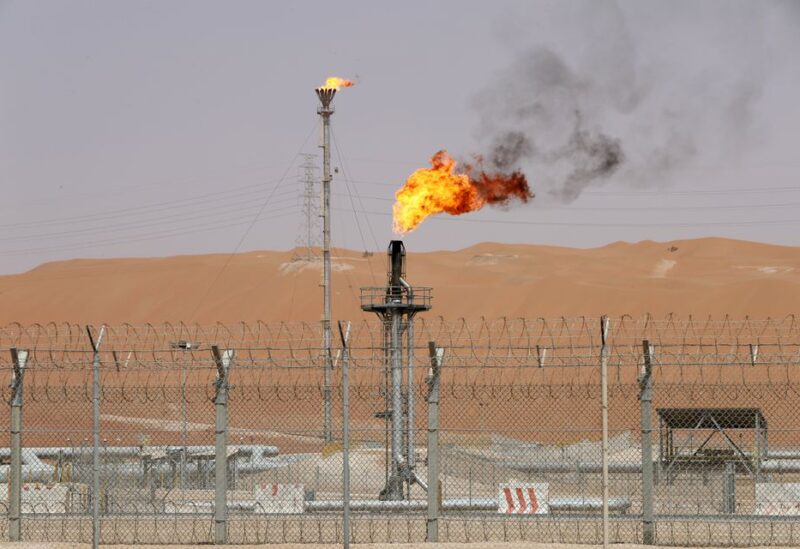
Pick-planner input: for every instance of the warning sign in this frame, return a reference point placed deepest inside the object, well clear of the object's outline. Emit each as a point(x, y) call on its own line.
point(523, 499)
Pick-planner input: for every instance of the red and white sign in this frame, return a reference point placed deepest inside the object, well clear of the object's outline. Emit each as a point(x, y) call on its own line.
point(518, 498)
point(279, 499)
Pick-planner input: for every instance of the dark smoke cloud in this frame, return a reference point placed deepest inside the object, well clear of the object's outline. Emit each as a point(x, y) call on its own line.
point(581, 157)
point(508, 149)
point(592, 156)
point(627, 107)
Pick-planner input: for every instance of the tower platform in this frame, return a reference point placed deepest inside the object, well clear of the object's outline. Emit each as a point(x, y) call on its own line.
point(399, 299)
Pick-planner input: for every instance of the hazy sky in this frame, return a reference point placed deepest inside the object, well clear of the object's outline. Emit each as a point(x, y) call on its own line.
point(156, 128)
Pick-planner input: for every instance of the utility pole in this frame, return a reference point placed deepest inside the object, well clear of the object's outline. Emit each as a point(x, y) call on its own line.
point(223, 360)
point(645, 411)
point(344, 333)
point(434, 484)
point(325, 111)
point(604, 325)
point(19, 358)
point(96, 433)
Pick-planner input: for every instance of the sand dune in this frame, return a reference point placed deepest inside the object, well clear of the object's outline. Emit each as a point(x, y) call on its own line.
point(709, 276)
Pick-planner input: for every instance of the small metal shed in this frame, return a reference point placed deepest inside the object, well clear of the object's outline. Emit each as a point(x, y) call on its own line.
point(704, 425)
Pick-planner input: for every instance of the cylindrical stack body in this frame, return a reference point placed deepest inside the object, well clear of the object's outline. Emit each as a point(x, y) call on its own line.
point(325, 112)
point(396, 483)
point(397, 255)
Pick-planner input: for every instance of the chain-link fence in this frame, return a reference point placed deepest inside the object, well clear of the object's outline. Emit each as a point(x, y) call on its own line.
point(218, 433)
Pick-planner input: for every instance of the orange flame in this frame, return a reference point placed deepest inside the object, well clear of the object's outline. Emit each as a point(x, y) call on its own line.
point(334, 83)
point(441, 188)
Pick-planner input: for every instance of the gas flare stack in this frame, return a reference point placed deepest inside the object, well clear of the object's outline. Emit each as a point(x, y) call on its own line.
point(396, 305)
point(325, 110)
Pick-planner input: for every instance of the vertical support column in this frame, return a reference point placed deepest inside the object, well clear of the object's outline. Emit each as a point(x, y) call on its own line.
point(661, 444)
point(396, 480)
point(757, 449)
point(344, 333)
point(386, 322)
point(729, 489)
point(184, 425)
point(434, 486)
point(410, 400)
point(604, 413)
point(645, 410)
point(19, 357)
point(96, 434)
point(223, 360)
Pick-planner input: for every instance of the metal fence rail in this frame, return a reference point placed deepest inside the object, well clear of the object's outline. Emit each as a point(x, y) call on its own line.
point(214, 434)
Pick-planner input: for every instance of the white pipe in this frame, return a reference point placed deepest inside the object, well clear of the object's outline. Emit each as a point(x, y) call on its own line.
point(52, 452)
point(466, 504)
point(783, 454)
point(574, 467)
point(418, 480)
point(33, 468)
point(556, 504)
point(781, 466)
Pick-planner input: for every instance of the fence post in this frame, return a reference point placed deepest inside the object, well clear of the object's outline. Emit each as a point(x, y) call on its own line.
point(645, 409)
point(223, 362)
point(434, 486)
point(604, 323)
point(95, 434)
point(344, 333)
point(18, 359)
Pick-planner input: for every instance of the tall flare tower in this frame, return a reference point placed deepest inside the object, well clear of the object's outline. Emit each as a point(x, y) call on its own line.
point(325, 110)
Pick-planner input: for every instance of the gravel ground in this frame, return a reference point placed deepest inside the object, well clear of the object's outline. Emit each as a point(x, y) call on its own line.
point(360, 546)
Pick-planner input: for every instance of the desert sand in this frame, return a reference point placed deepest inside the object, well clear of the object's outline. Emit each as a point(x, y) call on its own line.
point(702, 277)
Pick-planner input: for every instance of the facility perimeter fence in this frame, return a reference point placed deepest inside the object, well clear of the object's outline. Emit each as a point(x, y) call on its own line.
point(186, 434)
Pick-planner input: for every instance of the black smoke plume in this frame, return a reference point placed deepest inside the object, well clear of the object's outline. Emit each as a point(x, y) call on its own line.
point(612, 102)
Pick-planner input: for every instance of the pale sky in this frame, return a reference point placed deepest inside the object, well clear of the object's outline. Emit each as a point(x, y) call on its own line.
point(158, 128)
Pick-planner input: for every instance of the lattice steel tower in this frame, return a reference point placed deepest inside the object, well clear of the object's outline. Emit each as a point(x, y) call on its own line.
point(308, 240)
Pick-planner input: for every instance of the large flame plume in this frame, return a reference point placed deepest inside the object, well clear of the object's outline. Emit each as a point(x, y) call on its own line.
point(444, 188)
point(334, 83)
